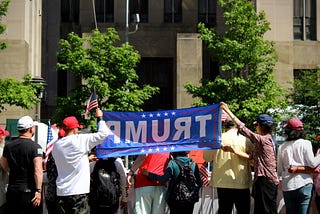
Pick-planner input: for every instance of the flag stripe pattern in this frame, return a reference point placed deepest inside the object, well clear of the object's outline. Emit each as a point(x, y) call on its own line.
point(92, 102)
point(50, 143)
point(204, 175)
point(224, 116)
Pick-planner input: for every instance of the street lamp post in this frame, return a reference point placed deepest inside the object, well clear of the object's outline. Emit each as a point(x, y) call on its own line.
point(39, 95)
point(136, 21)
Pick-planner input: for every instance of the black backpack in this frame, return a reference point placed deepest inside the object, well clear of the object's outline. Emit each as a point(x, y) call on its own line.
point(184, 189)
point(105, 185)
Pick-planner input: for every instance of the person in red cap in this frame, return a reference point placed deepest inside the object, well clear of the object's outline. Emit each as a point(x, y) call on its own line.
point(3, 174)
point(265, 184)
point(295, 153)
point(71, 158)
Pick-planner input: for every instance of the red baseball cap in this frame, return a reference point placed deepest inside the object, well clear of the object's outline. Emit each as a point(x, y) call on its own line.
point(3, 132)
point(71, 123)
point(294, 124)
point(61, 133)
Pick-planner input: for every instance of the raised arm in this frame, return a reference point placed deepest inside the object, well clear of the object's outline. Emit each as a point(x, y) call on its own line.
point(225, 108)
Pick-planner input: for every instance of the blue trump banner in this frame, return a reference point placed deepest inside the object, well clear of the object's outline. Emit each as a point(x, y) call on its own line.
point(136, 133)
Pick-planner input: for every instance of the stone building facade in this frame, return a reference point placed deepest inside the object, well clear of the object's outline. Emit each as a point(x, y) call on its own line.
point(167, 39)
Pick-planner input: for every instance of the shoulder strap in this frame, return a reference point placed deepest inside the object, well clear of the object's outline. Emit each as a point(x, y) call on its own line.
point(191, 164)
point(179, 164)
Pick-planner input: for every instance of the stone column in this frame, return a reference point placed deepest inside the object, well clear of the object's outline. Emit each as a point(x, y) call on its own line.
point(189, 66)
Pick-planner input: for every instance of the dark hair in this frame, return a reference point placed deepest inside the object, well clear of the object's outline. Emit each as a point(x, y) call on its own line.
point(22, 131)
point(229, 124)
point(294, 134)
point(177, 154)
point(266, 129)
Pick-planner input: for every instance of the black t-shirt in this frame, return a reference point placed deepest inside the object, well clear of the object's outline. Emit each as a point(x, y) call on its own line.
point(20, 154)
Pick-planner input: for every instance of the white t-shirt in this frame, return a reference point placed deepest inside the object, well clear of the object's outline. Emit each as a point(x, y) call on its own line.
point(71, 157)
point(295, 153)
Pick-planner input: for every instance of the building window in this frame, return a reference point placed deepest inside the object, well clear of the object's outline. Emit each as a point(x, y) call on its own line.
point(172, 11)
point(104, 10)
point(207, 12)
point(157, 72)
point(304, 19)
point(139, 7)
point(70, 11)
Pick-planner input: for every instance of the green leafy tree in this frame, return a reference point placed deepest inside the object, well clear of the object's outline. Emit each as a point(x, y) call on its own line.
point(305, 96)
point(103, 67)
point(14, 92)
point(19, 93)
point(246, 63)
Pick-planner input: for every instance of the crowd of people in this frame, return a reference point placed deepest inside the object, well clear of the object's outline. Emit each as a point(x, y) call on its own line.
point(291, 168)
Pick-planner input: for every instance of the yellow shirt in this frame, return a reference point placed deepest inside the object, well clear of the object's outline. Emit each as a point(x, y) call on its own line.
point(230, 170)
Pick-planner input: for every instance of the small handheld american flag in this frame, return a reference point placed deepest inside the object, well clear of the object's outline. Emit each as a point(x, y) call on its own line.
point(224, 116)
point(92, 102)
point(50, 144)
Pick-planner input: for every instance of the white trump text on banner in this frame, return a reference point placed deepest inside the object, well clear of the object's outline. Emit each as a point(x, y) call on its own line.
point(136, 133)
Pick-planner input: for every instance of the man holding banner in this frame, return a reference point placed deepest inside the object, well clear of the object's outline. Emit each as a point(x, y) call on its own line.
point(71, 158)
point(231, 174)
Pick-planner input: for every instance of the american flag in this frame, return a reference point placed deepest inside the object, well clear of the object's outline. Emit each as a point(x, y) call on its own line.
point(224, 116)
point(50, 143)
point(204, 174)
point(92, 102)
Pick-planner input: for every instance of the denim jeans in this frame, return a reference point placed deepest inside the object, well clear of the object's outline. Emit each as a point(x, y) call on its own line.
point(298, 201)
